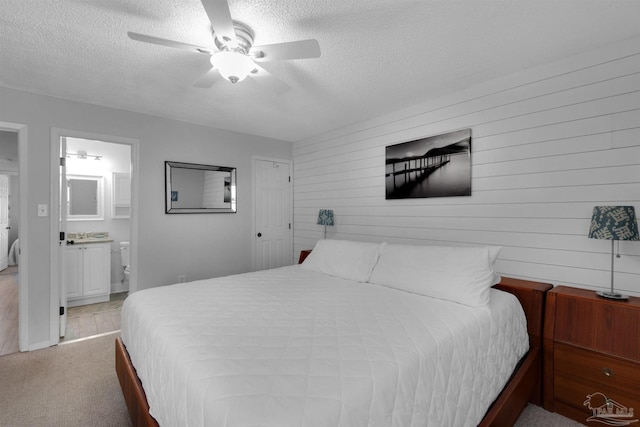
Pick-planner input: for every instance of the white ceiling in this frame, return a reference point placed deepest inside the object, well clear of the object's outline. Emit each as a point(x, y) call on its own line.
point(377, 55)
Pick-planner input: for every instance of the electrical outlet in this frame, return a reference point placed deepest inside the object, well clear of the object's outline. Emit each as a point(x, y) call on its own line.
point(182, 278)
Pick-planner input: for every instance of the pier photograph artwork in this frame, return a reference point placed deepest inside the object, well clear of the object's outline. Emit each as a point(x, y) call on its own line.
point(435, 166)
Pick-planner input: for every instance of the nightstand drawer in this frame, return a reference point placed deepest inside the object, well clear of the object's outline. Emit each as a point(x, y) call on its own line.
point(591, 348)
point(596, 368)
point(585, 396)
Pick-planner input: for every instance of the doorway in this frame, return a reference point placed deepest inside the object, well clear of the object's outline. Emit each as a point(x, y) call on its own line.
point(17, 165)
point(95, 232)
point(273, 217)
point(9, 242)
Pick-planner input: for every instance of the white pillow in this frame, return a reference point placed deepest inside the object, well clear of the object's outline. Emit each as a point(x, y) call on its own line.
point(493, 255)
point(343, 258)
point(459, 274)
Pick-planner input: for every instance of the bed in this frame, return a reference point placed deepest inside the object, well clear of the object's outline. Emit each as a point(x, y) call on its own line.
point(352, 336)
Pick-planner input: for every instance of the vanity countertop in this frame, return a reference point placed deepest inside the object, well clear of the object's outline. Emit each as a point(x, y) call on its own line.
point(90, 240)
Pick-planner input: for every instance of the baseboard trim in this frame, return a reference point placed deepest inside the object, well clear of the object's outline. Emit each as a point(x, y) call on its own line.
point(39, 345)
point(119, 287)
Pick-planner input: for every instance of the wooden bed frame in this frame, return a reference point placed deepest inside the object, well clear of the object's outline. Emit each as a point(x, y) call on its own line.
point(523, 386)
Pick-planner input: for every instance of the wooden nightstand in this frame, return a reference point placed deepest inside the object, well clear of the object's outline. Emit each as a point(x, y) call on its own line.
point(304, 254)
point(591, 348)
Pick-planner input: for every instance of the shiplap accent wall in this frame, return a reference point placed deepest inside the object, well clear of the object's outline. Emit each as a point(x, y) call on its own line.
point(213, 196)
point(548, 144)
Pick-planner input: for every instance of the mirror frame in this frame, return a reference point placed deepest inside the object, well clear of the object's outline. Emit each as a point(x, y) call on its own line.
point(99, 216)
point(169, 166)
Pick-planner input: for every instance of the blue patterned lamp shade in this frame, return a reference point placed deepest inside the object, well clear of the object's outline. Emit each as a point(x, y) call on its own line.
point(614, 223)
point(325, 217)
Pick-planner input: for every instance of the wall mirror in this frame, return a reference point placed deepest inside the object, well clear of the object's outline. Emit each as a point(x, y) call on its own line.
point(194, 188)
point(84, 198)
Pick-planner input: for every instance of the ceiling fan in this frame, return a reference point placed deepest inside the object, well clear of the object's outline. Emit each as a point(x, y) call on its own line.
point(233, 56)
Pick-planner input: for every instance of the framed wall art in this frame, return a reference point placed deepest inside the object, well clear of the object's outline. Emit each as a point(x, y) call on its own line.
point(434, 166)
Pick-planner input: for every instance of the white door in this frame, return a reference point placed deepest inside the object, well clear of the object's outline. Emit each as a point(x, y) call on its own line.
point(273, 217)
point(62, 243)
point(4, 221)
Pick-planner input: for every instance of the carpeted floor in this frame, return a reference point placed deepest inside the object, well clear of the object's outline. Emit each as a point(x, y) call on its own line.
point(75, 384)
point(72, 384)
point(535, 416)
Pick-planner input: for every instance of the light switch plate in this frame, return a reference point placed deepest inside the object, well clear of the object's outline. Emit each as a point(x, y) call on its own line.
point(43, 210)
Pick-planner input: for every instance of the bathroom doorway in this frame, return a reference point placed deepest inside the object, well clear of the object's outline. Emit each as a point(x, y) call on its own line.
point(96, 203)
point(9, 243)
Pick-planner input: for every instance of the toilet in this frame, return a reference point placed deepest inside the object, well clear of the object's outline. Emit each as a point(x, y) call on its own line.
point(124, 259)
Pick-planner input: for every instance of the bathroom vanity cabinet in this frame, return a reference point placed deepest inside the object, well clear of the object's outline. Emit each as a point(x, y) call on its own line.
point(87, 273)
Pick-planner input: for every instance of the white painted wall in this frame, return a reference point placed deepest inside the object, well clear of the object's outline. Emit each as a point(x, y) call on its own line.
point(548, 144)
point(8, 151)
point(199, 246)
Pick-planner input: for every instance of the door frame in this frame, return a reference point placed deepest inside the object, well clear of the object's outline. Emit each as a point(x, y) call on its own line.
point(23, 233)
point(56, 134)
point(4, 258)
point(289, 162)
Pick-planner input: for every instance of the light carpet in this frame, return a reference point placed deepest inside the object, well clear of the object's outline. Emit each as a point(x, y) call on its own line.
point(75, 384)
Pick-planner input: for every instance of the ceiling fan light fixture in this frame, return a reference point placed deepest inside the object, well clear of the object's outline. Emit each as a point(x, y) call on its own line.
point(233, 66)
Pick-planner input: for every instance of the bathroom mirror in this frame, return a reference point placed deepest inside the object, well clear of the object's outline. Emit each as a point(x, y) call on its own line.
point(84, 198)
point(195, 188)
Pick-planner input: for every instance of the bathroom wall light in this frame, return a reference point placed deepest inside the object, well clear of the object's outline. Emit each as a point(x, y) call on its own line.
point(83, 155)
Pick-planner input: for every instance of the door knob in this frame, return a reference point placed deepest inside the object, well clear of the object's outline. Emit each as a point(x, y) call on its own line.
point(259, 234)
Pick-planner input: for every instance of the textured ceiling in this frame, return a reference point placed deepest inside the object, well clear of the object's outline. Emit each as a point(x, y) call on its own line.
point(377, 55)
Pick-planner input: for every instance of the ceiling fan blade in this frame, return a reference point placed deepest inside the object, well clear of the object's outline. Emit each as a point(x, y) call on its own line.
point(169, 43)
point(208, 79)
point(220, 17)
point(266, 79)
point(290, 50)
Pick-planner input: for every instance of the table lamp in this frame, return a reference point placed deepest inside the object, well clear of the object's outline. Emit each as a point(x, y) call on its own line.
point(614, 223)
point(325, 217)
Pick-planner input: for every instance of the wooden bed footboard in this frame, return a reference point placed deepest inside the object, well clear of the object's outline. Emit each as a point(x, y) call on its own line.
point(523, 386)
point(132, 389)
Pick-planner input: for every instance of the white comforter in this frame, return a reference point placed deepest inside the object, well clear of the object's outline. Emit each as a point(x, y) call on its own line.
point(292, 347)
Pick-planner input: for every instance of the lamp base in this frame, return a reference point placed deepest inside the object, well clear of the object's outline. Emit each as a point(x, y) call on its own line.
point(612, 295)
